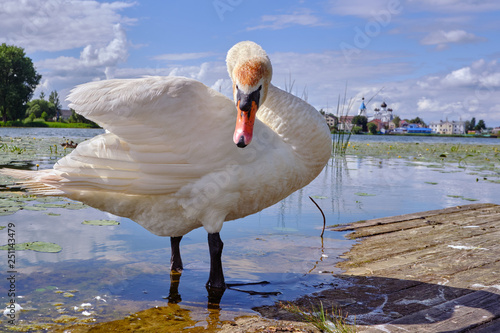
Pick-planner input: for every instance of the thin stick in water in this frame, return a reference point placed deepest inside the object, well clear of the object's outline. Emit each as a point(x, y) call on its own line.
point(324, 218)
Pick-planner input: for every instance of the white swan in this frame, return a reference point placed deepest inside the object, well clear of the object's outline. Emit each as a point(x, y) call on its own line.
point(167, 160)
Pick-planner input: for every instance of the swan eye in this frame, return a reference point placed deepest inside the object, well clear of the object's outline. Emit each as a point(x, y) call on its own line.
point(260, 87)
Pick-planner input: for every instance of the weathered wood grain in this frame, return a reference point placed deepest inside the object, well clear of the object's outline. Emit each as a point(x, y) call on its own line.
point(435, 271)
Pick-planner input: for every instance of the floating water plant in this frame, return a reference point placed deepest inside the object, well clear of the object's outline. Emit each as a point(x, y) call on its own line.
point(363, 194)
point(34, 208)
point(461, 197)
point(101, 222)
point(35, 246)
point(52, 214)
point(9, 206)
point(318, 197)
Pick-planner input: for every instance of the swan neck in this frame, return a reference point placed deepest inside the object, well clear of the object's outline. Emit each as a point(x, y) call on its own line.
point(299, 125)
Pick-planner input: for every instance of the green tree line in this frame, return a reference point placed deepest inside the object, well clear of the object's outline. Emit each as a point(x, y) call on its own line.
point(18, 80)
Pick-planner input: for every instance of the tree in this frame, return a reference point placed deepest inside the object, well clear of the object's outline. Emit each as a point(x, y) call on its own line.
point(467, 126)
point(78, 118)
point(360, 121)
point(417, 120)
point(54, 99)
point(396, 121)
point(480, 126)
point(472, 124)
point(39, 106)
point(372, 128)
point(356, 130)
point(18, 80)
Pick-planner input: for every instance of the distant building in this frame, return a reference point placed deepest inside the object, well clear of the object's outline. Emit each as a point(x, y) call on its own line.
point(331, 120)
point(65, 114)
point(362, 108)
point(412, 128)
point(382, 116)
point(384, 113)
point(392, 126)
point(379, 123)
point(416, 129)
point(448, 127)
point(345, 123)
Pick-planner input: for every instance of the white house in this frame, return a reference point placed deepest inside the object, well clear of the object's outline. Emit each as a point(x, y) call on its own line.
point(448, 127)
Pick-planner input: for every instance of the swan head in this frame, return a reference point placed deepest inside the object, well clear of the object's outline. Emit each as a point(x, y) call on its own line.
point(250, 70)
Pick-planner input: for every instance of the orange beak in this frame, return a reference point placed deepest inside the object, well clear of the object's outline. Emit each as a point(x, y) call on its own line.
point(244, 125)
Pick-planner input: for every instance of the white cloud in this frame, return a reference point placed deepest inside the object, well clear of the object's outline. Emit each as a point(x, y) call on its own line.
point(303, 17)
point(442, 38)
point(55, 25)
point(109, 55)
point(459, 77)
point(94, 61)
point(463, 93)
point(437, 106)
point(480, 74)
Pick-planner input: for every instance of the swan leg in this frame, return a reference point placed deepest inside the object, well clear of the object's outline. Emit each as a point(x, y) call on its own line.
point(173, 295)
point(216, 279)
point(175, 259)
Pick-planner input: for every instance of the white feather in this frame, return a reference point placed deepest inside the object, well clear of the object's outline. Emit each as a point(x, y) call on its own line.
point(168, 161)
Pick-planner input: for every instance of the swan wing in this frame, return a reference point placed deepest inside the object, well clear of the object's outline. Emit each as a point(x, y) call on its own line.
point(162, 134)
point(144, 111)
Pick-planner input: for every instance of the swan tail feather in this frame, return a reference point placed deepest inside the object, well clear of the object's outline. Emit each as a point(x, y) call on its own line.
point(43, 182)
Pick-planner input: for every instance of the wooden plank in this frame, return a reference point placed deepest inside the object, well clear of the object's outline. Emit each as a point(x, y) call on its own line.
point(429, 263)
point(417, 246)
point(453, 252)
point(457, 219)
point(490, 327)
point(457, 315)
point(406, 217)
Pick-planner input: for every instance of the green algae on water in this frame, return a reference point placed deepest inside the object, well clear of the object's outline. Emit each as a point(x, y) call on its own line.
point(100, 222)
point(35, 246)
point(461, 197)
point(318, 197)
point(363, 194)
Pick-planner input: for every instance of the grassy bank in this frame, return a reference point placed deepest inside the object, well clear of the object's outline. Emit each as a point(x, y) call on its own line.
point(445, 135)
point(51, 124)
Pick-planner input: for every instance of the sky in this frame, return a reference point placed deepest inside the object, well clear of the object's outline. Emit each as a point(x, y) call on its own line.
point(433, 59)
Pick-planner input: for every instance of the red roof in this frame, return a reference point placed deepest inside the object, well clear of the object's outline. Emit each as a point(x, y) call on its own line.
point(346, 119)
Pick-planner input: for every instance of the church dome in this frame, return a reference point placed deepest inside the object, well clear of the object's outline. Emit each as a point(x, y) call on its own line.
point(362, 106)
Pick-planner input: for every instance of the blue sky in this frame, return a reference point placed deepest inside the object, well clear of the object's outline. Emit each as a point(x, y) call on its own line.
point(434, 59)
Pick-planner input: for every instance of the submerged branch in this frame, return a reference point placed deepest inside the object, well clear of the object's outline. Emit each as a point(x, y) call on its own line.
point(324, 218)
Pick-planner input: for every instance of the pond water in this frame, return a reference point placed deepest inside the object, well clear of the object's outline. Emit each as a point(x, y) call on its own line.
point(107, 272)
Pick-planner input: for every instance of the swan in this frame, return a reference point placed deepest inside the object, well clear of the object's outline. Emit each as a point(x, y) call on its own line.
point(167, 161)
